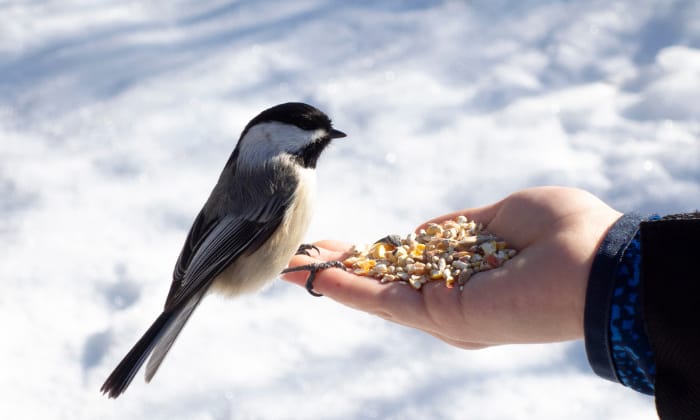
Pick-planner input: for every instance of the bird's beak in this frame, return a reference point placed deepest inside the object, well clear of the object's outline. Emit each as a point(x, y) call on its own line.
point(336, 134)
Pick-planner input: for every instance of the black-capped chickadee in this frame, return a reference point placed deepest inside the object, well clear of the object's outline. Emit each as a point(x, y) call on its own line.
point(247, 231)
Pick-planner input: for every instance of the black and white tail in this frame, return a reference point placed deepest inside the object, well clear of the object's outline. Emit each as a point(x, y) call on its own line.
point(157, 340)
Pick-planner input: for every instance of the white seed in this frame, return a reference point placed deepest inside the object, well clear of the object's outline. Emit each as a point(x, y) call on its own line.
point(420, 268)
point(415, 281)
point(401, 261)
point(488, 247)
point(380, 268)
point(459, 265)
point(467, 242)
point(434, 229)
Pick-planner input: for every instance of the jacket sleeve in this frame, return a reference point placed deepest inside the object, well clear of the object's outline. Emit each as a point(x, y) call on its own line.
point(671, 302)
point(616, 342)
point(642, 316)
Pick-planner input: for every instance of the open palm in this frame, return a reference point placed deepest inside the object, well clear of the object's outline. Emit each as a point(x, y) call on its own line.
point(538, 296)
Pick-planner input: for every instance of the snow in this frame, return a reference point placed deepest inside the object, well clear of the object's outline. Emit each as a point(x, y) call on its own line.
point(116, 118)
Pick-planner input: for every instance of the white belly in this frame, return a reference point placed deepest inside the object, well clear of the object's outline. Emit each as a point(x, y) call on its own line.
point(250, 273)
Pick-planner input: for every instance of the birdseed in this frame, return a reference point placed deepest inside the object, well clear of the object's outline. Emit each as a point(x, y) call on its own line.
point(451, 252)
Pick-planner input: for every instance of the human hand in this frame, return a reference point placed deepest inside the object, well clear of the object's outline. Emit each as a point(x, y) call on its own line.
point(538, 296)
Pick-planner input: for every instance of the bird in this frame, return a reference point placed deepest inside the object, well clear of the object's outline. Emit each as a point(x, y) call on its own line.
point(249, 228)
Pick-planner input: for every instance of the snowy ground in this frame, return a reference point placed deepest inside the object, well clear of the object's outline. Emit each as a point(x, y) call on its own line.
point(116, 118)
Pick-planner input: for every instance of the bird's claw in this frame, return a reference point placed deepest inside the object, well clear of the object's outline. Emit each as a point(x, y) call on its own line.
point(304, 249)
point(313, 269)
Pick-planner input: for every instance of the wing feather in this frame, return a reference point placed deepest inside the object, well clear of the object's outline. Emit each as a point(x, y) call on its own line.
point(226, 240)
point(215, 241)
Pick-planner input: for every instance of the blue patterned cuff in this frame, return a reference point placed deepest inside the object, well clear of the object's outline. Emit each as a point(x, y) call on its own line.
point(632, 355)
point(617, 345)
point(601, 284)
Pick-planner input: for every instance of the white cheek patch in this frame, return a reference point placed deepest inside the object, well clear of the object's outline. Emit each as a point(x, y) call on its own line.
point(266, 140)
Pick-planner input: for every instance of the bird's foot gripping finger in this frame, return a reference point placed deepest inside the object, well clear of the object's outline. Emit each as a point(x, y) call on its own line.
point(304, 249)
point(313, 269)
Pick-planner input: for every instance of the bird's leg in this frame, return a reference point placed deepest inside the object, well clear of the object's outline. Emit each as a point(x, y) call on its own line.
point(313, 269)
point(304, 249)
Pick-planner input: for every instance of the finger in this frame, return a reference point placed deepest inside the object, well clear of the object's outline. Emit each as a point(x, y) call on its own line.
point(359, 292)
point(397, 301)
point(335, 283)
point(431, 309)
point(334, 246)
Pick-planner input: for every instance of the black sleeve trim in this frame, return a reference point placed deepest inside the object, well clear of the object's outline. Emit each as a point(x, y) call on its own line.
point(599, 294)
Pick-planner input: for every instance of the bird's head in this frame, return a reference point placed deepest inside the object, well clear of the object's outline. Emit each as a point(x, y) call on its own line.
point(292, 129)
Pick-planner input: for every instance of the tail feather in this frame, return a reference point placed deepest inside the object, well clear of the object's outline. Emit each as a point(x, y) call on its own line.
point(121, 377)
point(158, 339)
point(170, 333)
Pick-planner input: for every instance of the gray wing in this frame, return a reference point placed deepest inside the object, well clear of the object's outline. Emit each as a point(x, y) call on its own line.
point(211, 246)
point(198, 232)
point(225, 240)
point(213, 243)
